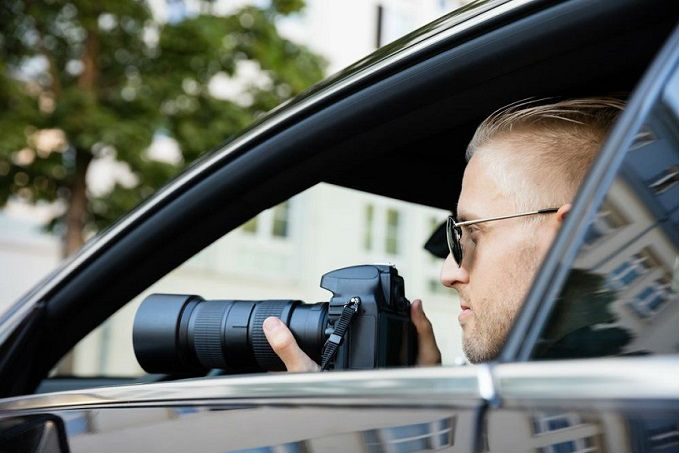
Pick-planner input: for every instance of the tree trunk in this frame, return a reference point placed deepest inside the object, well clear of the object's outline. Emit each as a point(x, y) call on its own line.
point(88, 78)
point(76, 212)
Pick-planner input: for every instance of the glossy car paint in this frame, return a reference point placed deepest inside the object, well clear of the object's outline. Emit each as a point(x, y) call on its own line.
point(387, 410)
point(342, 411)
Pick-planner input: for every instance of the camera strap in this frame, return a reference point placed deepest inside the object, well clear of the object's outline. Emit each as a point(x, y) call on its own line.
point(335, 340)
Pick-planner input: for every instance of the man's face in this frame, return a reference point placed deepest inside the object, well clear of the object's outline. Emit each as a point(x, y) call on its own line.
point(500, 258)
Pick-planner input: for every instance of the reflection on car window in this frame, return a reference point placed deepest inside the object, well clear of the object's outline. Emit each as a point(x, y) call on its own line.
point(620, 297)
point(282, 253)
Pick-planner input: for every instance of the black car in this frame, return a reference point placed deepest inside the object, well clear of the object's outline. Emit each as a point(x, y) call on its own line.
point(396, 124)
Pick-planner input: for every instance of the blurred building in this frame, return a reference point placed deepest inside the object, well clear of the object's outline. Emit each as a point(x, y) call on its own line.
point(27, 252)
point(348, 30)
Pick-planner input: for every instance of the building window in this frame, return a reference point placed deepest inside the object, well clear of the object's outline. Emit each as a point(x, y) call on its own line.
point(629, 271)
point(435, 435)
point(650, 299)
point(281, 222)
point(250, 226)
point(546, 423)
point(606, 222)
point(665, 180)
point(368, 220)
point(392, 232)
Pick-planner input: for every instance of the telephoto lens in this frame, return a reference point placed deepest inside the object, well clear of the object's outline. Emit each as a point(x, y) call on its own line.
point(183, 333)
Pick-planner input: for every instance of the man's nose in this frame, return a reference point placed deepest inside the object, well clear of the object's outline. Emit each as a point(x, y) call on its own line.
point(452, 274)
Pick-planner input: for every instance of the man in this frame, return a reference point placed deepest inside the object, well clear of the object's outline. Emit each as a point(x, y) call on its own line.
point(525, 164)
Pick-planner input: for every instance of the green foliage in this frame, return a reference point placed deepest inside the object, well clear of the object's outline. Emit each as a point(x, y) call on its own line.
point(104, 77)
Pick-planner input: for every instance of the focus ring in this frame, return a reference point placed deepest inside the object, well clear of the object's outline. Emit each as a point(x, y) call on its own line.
point(265, 356)
point(207, 334)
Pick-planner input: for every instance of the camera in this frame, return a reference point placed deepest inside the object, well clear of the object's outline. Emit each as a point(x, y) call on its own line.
point(366, 324)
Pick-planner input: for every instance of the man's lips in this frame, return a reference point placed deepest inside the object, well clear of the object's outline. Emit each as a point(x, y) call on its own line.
point(465, 313)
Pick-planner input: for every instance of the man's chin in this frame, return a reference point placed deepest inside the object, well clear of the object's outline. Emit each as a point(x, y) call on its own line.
point(475, 352)
point(474, 355)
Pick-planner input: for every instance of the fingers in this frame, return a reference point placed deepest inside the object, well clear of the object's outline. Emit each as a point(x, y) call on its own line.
point(283, 343)
point(427, 353)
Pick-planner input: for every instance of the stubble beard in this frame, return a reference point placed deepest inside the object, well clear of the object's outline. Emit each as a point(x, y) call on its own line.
point(487, 331)
point(485, 341)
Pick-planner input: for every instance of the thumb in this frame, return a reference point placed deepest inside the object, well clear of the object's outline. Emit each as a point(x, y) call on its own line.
point(284, 345)
point(427, 351)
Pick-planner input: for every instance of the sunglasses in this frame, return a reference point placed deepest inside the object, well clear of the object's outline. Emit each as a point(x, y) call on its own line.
point(454, 230)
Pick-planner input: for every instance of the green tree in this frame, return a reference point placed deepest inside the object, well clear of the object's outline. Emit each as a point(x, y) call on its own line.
point(82, 79)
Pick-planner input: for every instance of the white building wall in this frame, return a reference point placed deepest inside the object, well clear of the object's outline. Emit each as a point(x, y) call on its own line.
point(345, 31)
point(27, 255)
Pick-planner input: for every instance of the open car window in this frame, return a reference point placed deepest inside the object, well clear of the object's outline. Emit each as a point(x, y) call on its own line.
point(282, 253)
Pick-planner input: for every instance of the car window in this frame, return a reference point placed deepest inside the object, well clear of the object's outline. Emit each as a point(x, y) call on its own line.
point(281, 254)
point(620, 297)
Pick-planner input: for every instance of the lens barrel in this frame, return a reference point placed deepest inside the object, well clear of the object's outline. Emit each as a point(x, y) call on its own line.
point(176, 333)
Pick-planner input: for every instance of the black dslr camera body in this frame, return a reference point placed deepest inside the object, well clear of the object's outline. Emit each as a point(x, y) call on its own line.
point(185, 334)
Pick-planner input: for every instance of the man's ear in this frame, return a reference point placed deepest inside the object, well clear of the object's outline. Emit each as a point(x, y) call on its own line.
point(563, 212)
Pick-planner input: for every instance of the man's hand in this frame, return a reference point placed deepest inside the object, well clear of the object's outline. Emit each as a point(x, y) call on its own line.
point(427, 351)
point(283, 343)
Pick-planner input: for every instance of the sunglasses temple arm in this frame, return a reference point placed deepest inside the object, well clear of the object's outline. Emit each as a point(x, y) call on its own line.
point(491, 219)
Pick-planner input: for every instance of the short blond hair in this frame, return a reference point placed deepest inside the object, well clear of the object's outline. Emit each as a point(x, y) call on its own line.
point(555, 144)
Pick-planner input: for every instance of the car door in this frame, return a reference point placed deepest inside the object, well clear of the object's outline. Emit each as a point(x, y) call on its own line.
point(608, 288)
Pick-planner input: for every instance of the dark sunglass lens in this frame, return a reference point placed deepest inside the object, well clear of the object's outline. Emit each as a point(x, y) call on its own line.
point(453, 236)
point(457, 246)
